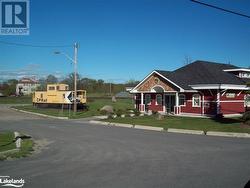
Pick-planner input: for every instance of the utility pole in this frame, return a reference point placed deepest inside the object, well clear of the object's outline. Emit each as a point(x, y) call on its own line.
point(75, 76)
point(74, 61)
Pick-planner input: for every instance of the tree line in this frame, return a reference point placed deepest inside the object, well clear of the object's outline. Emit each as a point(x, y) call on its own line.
point(88, 84)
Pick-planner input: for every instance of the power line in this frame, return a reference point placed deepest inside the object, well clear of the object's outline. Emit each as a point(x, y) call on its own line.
point(35, 46)
point(219, 8)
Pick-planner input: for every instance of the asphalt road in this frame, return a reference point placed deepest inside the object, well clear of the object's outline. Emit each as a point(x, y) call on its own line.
point(78, 154)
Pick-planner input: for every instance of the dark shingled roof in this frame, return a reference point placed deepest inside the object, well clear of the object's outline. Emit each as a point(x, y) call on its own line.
point(202, 72)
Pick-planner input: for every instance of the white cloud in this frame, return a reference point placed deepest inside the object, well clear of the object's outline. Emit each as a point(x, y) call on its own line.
point(30, 70)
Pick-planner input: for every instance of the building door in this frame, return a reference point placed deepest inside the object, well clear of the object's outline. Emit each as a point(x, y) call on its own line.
point(169, 103)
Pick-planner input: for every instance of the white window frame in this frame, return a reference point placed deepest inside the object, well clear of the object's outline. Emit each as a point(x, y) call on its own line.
point(156, 103)
point(199, 97)
point(184, 96)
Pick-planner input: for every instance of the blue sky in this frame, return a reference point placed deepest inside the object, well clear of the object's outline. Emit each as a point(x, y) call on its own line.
point(126, 39)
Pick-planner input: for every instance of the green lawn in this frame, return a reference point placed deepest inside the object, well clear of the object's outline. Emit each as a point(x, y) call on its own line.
point(28, 99)
point(16, 100)
point(98, 95)
point(205, 124)
point(6, 143)
point(94, 105)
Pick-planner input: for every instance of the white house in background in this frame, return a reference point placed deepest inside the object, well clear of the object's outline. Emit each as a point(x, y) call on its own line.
point(26, 86)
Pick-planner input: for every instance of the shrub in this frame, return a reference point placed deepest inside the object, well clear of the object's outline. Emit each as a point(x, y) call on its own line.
point(86, 108)
point(127, 115)
point(136, 112)
point(246, 117)
point(119, 112)
point(154, 112)
point(110, 116)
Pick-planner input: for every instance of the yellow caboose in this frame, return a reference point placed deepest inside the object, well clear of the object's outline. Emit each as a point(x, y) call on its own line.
point(58, 94)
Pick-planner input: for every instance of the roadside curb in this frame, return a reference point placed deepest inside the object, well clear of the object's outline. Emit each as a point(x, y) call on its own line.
point(228, 134)
point(172, 130)
point(185, 131)
point(148, 128)
point(123, 125)
point(38, 114)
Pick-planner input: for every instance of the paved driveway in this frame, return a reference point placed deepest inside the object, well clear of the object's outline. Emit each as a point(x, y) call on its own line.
point(77, 154)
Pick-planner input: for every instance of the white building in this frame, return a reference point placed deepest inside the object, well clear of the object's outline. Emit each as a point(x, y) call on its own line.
point(26, 86)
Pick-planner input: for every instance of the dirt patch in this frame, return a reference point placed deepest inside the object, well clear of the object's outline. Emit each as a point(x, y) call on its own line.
point(40, 145)
point(243, 125)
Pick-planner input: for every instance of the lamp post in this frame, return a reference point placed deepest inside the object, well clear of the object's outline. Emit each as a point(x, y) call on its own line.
point(75, 71)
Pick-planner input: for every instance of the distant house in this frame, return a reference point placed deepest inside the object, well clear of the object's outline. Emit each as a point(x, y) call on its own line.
point(200, 88)
point(128, 89)
point(26, 86)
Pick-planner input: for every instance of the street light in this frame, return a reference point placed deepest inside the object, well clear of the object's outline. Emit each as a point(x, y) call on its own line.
point(75, 70)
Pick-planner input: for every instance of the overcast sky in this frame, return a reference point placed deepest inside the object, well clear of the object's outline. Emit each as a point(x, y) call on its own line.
point(126, 39)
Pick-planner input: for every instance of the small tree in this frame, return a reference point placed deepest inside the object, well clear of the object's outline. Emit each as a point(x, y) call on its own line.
point(9, 88)
point(246, 117)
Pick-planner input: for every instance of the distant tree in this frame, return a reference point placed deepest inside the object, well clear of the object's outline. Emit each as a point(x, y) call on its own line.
point(100, 82)
point(9, 88)
point(93, 85)
point(70, 80)
point(42, 84)
point(51, 79)
point(118, 88)
point(12, 82)
point(131, 83)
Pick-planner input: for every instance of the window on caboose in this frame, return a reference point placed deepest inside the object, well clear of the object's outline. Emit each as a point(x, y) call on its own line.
point(51, 88)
